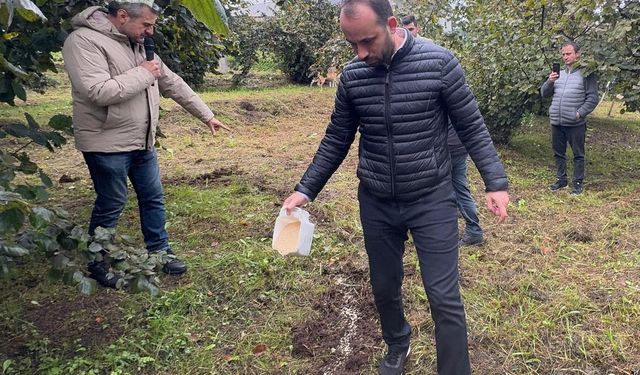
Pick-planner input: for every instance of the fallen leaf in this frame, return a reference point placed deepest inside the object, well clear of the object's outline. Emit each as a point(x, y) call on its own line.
point(545, 250)
point(215, 243)
point(259, 349)
point(228, 357)
point(99, 319)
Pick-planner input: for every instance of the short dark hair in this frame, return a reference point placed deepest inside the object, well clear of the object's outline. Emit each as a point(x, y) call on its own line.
point(381, 8)
point(133, 9)
point(575, 46)
point(409, 19)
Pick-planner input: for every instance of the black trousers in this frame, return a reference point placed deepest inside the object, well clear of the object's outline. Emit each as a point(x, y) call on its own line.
point(433, 224)
point(575, 136)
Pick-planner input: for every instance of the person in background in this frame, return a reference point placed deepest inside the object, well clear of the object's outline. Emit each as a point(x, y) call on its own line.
point(409, 22)
point(116, 105)
point(472, 234)
point(574, 97)
point(400, 93)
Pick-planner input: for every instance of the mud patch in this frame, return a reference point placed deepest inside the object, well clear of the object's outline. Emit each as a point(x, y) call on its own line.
point(66, 324)
point(218, 177)
point(346, 332)
point(579, 235)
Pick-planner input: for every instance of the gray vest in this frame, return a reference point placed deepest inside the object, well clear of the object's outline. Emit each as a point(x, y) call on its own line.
point(569, 94)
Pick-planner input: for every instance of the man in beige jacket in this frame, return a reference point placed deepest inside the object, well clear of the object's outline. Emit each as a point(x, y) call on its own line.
point(116, 96)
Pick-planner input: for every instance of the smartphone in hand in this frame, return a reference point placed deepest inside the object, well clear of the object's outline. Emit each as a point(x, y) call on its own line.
point(555, 68)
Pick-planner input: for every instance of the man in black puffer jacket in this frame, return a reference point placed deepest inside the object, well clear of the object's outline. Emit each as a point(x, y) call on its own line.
point(399, 93)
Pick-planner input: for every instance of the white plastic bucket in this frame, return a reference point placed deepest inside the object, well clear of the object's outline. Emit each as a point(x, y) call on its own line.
point(292, 234)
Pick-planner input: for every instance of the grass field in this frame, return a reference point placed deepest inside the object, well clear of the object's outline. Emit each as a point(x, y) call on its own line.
point(556, 289)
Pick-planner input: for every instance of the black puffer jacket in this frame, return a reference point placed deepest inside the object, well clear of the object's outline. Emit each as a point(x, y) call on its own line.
point(456, 148)
point(401, 112)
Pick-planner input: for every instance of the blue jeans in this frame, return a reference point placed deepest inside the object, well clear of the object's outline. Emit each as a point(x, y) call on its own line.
point(466, 204)
point(109, 172)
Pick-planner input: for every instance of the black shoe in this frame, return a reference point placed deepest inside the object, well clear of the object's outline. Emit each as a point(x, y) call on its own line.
point(393, 363)
point(559, 184)
point(99, 271)
point(174, 266)
point(467, 240)
point(577, 188)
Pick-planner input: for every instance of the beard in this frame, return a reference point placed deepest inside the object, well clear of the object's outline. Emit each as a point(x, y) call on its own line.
point(387, 50)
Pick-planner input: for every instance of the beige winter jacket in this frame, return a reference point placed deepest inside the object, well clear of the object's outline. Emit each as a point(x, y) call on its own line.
point(113, 96)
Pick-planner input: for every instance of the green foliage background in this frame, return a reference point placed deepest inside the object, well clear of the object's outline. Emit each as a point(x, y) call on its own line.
point(507, 48)
point(302, 36)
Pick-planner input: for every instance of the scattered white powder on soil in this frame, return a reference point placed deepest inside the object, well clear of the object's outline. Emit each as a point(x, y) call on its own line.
point(349, 320)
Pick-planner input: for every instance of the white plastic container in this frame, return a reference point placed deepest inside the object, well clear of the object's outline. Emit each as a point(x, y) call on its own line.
point(292, 234)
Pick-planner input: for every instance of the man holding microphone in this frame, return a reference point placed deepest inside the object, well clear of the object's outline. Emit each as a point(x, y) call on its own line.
point(116, 89)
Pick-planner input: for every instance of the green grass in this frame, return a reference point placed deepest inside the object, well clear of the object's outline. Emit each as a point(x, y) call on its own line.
point(555, 290)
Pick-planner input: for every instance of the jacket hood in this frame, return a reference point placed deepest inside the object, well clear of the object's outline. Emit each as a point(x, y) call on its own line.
point(95, 18)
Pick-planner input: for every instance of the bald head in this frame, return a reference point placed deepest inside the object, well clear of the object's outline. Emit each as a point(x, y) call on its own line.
point(381, 9)
point(372, 38)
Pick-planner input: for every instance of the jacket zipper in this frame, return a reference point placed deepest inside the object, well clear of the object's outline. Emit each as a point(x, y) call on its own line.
point(146, 138)
point(387, 120)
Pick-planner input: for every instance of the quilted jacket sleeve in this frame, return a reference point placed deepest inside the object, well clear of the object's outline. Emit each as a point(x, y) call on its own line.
point(333, 148)
point(469, 124)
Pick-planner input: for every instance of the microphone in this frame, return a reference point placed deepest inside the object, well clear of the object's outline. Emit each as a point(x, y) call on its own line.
point(149, 48)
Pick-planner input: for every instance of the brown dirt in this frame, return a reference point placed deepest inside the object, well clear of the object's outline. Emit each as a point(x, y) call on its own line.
point(66, 322)
point(251, 81)
point(216, 177)
point(342, 336)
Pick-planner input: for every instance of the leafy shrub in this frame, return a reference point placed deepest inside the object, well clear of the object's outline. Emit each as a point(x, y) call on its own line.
point(295, 35)
point(187, 46)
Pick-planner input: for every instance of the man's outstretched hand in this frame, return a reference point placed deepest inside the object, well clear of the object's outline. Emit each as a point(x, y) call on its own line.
point(215, 125)
point(497, 202)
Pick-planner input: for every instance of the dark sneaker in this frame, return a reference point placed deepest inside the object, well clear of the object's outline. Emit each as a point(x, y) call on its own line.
point(99, 271)
point(467, 240)
point(174, 266)
point(577, 188)
point(393, 363)
point(559, 184)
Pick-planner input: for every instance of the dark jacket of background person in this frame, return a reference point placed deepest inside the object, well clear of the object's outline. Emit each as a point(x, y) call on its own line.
point(571, 93)
point(401, 112)
point(116, 102)
point(456, 148)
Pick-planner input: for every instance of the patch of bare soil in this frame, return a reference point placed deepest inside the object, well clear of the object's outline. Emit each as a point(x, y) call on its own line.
point(343, 335)
point(66, 322)
point(254, 81)
point(218, 177)
point(604, 133)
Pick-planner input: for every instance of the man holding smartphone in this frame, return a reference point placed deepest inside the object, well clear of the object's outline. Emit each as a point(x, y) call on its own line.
point(574, 97)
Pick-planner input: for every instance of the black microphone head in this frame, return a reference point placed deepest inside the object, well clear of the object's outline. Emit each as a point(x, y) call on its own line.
point(149, 48)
